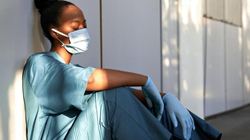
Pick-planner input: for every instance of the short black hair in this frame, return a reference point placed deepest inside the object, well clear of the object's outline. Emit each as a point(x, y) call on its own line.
point(50, 11)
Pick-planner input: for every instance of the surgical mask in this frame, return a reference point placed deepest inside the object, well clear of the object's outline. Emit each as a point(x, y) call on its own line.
point(79, 41)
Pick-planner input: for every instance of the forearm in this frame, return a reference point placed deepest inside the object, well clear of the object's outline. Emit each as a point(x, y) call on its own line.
point(102, 79)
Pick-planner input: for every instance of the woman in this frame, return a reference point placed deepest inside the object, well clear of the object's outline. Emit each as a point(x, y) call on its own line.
point(66, 101)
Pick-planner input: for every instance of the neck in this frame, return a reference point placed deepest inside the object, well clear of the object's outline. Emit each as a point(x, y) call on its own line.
point(66, 56)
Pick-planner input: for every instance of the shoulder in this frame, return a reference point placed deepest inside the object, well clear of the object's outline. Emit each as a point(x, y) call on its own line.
point(34, 66)
point(41, 58)
point(37, 63)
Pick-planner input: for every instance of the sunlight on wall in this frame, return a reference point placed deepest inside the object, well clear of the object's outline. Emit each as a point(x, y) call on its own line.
point(166, 2)
point(240, 38)
point(191, 63)
point(247, 83)
point(165, 50)
point(208, 95)
point(185, 11)
point(190, 12)
point(185, 85)
point(166, 62)
point(174, 62)
point(244, 19)
point(195, 10)
point(16, 104)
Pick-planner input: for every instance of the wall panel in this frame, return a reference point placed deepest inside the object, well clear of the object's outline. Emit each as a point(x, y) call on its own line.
point(246, 50)
point(233, 12)
point(170, 60)
point(215, 68)
point(191, 55)
point(91, 12)
point(234, 81)
point(131, 37)
point(215, 9)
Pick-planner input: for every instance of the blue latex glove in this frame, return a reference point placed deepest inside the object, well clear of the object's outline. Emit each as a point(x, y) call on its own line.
point(177, 110)
point(153, 97)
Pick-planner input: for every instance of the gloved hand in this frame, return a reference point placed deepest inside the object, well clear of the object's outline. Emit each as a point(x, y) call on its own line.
point(176, 109)
point(153, 96)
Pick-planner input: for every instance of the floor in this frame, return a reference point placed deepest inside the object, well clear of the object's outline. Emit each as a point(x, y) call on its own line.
point(234, 125)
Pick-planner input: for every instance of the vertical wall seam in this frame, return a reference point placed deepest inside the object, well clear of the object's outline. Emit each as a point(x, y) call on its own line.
point(161, 47)
point(178, 51)
point(225, 57)
point(205, 59)
point(101, 51)
point(243, 56)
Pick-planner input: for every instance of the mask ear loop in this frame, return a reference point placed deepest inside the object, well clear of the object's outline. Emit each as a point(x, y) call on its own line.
point(61, 42)
point(60, 34)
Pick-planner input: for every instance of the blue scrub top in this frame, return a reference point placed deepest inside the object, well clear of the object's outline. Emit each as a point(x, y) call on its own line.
point(54, 95)
point(57, 107)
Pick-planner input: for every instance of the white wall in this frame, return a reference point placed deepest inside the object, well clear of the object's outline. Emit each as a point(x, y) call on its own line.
point(18, 38)
point(215, 94)
point(234, 85)
point(233, 11)
point(215, 9)
point(234, 68)
point(131, 37)
point(246, 50)
point(21, 36)
point(91, 12)
point(191, 55)
point(170, 57)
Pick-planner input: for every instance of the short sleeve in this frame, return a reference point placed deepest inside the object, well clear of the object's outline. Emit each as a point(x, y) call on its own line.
point(59, 86)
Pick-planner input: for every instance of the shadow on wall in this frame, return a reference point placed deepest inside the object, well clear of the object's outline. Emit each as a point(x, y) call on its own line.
point(31, 40)
point(40, 43)
point(5, 71)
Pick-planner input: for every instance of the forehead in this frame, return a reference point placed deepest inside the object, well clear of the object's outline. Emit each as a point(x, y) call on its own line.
point(71, 12)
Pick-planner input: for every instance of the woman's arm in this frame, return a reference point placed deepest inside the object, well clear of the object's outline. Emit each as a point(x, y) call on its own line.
point(102, 79)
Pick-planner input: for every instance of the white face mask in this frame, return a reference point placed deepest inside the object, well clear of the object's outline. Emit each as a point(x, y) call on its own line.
point(79, 41)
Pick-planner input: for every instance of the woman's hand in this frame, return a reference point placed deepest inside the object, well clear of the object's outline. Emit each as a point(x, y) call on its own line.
point(177, 110)
point(153, 98)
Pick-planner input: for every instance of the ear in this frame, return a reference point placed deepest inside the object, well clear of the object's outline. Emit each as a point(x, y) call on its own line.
point(52, 33)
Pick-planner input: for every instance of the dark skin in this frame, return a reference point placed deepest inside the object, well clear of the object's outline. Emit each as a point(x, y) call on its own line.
point(73, 19)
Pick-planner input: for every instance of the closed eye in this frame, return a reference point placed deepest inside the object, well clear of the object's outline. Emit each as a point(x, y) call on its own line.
point(75, 25)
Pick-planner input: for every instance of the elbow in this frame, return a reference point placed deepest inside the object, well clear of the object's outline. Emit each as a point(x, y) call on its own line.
point(91, 80)
point(97, 81)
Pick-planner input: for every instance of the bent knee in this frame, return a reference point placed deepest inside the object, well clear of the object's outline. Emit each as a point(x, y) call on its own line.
point(117, 94)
